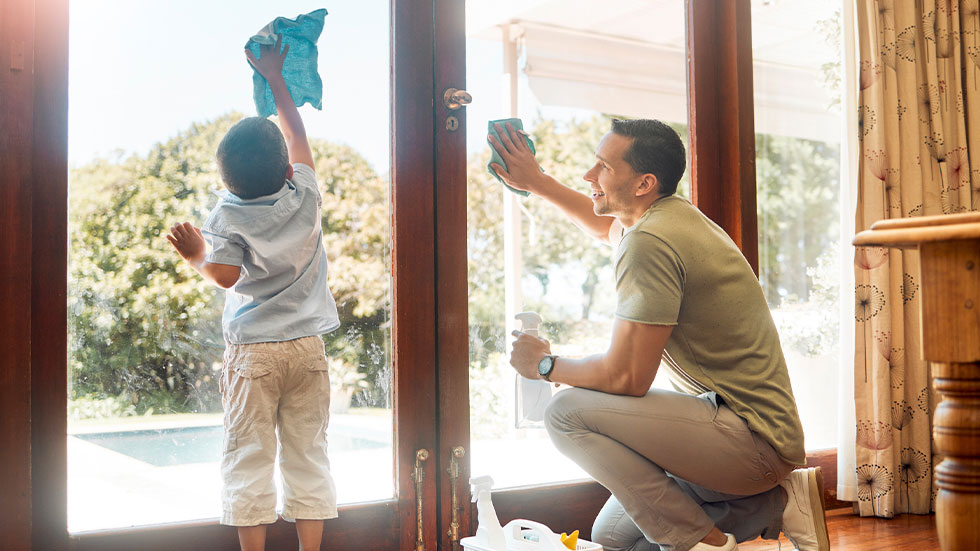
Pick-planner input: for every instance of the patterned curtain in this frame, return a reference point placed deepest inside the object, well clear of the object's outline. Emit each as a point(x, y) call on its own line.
point(918, 117)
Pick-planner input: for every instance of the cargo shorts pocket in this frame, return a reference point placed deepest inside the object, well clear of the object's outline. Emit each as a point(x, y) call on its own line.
point(252, 365)
point(317, 363)
point(230, 443)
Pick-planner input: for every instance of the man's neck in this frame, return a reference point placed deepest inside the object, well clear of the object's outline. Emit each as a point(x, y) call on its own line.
point(628, 219)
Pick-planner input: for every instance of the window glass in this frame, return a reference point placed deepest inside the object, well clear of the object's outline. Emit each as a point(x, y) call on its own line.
point(549, 66)
point(153, 88)
point(796, 64)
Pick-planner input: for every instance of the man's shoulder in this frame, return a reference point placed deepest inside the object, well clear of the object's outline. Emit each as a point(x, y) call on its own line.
point(643, 246)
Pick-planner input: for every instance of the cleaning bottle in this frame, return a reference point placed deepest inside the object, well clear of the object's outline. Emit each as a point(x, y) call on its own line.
point(531, 395)
point(489, 533)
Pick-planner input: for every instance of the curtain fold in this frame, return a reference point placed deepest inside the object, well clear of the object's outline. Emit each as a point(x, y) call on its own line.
point(918, 107)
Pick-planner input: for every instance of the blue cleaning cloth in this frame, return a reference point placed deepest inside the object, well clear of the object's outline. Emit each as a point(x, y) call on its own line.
point(496, 158)
point(299, 69)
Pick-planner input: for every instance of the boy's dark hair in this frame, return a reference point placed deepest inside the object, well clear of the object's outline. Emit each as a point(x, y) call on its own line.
point(656, 149)
point(252, 158)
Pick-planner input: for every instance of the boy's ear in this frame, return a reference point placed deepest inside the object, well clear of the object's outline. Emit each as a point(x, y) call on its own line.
point(289, 172)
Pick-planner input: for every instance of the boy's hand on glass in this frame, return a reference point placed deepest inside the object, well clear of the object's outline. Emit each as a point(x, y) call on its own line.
point(270, 60)
point(188, 241)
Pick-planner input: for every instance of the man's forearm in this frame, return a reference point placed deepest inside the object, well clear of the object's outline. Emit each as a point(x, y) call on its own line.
point(592, 372)
point(577, 206)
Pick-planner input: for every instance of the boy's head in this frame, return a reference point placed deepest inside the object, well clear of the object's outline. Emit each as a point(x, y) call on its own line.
point(252, 158)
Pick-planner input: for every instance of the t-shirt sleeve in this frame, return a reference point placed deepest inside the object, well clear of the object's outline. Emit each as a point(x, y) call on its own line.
point(649, 280)
point(304, 177)
point(224, 246)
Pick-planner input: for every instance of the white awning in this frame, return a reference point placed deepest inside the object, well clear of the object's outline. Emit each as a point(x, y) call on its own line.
point(610, 57)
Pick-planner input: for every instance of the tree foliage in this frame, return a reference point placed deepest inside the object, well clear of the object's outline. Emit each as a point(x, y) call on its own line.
point(798, 195)
point(142, 323)
point(145, 330)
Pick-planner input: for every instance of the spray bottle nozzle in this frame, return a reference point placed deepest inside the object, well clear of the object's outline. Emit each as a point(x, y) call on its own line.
point(529, 322)
point(480, 484)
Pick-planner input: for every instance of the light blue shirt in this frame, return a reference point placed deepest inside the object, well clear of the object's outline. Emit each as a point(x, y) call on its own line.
point(282, 293)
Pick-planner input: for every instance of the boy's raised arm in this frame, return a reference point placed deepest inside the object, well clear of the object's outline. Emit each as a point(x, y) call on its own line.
point(269, 65)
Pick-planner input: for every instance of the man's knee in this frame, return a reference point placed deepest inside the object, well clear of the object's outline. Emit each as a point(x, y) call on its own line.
point(563, 414)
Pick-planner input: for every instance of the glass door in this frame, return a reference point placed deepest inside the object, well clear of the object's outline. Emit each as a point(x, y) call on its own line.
point(565, 73)
point(421, 349)
point(144, 331)
point(798, 123)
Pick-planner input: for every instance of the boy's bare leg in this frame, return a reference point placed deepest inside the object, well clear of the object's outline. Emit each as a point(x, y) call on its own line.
point(252, 538)
point(310, 532)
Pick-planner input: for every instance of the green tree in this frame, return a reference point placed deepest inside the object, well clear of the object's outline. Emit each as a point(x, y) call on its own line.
point(144, 326)
point(798, 208)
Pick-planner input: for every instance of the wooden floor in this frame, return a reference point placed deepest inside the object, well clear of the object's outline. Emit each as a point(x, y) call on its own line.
point(848, 532)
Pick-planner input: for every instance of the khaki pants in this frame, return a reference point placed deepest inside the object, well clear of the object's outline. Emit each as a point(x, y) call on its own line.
point(275, 389)
point(676, 466)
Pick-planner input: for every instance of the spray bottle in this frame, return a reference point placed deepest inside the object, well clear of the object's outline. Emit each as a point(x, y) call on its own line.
point(531, 395)
point(489, 533)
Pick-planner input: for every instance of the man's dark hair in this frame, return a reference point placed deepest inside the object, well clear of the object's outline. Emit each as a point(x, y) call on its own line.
point(252, 158)
point(656, 149)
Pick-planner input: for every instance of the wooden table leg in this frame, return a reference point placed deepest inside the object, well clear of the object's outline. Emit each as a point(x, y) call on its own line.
point(949, 248)
point(956, 430)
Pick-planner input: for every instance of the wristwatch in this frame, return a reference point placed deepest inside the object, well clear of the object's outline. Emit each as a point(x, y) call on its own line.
point(546, 366)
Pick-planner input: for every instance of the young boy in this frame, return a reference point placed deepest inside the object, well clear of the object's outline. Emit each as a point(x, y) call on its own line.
point(267, 250)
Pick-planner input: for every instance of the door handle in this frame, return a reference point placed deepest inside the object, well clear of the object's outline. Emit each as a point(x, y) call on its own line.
point(454, 99)
point(421, 455)
point(453, 470)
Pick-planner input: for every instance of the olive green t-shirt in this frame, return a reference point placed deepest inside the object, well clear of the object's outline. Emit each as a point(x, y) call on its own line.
point(677, 267)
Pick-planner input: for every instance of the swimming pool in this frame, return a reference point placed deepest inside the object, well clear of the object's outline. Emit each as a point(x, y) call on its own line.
point(202, 444)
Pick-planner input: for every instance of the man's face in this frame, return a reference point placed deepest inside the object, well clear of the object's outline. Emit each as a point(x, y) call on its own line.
point(612, 178)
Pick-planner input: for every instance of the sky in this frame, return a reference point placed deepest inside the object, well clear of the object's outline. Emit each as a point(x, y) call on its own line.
point(140, 72)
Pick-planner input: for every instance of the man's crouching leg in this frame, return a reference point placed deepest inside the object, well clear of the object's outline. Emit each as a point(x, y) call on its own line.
point(629, 444)
point(601, 432)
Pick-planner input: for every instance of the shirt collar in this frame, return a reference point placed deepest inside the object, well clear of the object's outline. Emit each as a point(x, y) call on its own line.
point(270, 199)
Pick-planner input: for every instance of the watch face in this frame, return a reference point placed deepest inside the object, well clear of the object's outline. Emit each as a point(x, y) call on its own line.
point(545, 366)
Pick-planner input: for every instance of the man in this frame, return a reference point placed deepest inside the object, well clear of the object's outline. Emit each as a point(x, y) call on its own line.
point(713, 463)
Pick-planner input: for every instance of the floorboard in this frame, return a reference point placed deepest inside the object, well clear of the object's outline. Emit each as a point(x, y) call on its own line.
point(849, 532)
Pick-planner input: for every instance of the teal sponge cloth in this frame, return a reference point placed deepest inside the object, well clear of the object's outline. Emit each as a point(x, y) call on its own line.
point(299, 69)
point(496, 158)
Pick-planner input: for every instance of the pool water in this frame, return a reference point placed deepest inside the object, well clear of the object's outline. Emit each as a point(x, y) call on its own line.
point(185, 445)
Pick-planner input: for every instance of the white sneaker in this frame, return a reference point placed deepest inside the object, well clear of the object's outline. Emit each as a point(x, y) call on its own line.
point(729, 545)
point(804, 523)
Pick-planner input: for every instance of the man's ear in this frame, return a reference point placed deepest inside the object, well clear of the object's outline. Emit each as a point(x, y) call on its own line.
point(289, 172)
point(648, 184)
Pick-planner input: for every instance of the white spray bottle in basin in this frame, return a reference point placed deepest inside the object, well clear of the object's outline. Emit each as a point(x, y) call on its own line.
point(531, 395)
point(489, 533)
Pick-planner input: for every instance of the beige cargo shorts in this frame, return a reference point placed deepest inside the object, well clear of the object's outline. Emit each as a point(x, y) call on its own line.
point(276, 396)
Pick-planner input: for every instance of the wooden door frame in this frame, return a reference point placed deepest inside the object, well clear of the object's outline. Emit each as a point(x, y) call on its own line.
point(33, 263)
point(723, 186)
point(33, 259)
point(721, 113)
point(33, 298)
point(452, 295)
